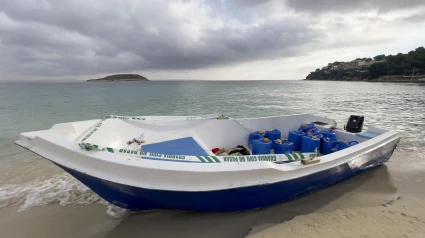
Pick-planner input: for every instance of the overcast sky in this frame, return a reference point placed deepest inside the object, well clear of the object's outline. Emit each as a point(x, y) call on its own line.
point(214, 40)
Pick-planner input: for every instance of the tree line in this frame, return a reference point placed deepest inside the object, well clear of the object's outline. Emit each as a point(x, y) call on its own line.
point(400, 64)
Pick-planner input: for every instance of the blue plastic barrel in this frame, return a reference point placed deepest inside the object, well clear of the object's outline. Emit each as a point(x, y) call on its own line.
point(353, 143)
point(314, 131)
point(329, 133)
point(282, 147)
point(262, 146)
point(320, 136)
point(296, 138)
point(273, 135)
point(310, 143)
point(305, 127)
point(345, 144)
point(329, 145)
point(255, 136)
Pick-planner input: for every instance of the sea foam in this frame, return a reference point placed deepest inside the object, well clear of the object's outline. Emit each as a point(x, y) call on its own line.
point(60, 188)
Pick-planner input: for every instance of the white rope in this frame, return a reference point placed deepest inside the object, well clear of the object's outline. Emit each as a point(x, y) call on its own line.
point(243, 125)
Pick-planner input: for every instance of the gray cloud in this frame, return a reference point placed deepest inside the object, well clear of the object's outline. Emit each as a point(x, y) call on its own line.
point(420, 17)
point(57, 38)
point(319, 6)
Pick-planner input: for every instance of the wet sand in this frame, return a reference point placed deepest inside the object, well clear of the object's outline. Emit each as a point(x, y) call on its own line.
point(403, 217)
point(358, 198)
point(56, 221)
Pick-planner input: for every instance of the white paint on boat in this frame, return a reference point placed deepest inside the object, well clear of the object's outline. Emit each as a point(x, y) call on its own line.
point(60, 145)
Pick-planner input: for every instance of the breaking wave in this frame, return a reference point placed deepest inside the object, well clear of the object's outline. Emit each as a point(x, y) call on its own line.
point(61, 188)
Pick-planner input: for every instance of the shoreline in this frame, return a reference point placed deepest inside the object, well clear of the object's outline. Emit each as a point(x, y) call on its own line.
point(384, 79)
point(367, 81)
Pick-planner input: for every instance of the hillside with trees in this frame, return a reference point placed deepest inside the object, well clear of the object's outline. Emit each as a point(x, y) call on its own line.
point(403, 65)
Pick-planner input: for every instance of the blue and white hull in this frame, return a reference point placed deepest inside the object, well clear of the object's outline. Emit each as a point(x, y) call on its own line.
point(138, 181)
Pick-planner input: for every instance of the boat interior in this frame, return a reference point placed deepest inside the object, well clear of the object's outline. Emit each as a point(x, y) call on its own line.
point(200, 137)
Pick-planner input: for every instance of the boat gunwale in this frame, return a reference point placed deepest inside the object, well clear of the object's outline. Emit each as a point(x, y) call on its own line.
point(349, 154)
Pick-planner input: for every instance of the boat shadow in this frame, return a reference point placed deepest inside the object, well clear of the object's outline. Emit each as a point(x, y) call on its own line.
point(370, 188)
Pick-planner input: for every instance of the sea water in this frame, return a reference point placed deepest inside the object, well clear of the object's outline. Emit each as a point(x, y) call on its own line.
point(27, 180)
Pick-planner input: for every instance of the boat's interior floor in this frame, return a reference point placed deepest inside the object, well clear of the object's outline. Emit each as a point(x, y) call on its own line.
point(183, 148)
point(196, 138)
point(177, 144)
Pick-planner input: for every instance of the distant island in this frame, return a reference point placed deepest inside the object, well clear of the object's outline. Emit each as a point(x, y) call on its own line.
point(120, 78)
point(391, 68)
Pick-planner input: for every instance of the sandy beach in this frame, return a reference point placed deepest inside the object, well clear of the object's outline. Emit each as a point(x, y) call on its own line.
point(386, 202)
point(403, 217)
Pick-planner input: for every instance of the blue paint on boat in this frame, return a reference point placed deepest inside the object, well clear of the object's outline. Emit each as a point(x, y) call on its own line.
point(367, 134)
point(181, 146)
point(235, 199)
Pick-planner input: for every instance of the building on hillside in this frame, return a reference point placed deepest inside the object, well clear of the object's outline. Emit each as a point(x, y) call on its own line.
point(367, 62)
point(361, 62)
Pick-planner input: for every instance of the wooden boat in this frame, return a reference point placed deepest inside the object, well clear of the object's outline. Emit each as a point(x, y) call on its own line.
point(175, 168)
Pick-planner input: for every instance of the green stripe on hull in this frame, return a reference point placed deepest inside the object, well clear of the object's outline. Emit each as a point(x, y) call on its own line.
point(215, 159)
point(201, 159)
point(289, 157)
point(209, 160)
